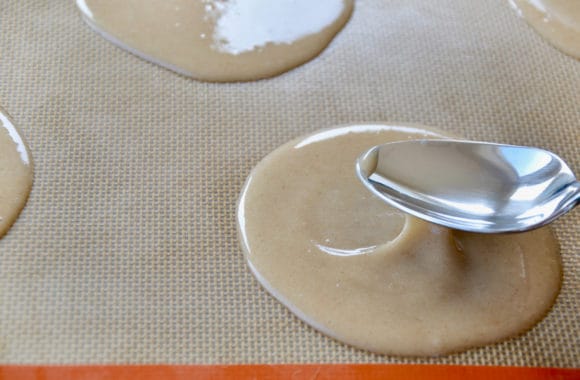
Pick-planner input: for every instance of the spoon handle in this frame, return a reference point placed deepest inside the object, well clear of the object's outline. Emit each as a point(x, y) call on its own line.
point(571, 198)
point(576, 194)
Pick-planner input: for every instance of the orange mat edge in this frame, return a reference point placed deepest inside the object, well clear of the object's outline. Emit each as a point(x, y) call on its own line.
point(283, 371)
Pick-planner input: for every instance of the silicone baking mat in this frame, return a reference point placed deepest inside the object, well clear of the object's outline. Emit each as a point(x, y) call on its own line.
point(127, 250)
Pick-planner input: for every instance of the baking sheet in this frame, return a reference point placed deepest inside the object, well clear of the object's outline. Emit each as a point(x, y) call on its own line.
point(127, 250)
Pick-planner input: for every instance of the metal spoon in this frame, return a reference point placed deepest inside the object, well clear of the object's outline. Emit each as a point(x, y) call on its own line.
point(471, 186)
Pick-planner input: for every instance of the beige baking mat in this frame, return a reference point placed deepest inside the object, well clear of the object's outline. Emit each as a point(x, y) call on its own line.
point(127, 249)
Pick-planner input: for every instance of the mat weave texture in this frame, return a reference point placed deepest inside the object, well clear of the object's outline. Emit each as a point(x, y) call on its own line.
point(127, 250)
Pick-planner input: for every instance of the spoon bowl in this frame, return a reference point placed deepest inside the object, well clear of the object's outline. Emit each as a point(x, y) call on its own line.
point(471, 186)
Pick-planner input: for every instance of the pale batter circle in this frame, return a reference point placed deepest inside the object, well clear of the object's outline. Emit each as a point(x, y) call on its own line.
point(16, 173)
point(217, 40)
point(558, 21)
point(368, 275)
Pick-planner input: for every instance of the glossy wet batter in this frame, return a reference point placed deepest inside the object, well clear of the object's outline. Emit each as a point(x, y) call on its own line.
point(367, 274)
point(15, 173)
point(556, 20)
point(220, 40)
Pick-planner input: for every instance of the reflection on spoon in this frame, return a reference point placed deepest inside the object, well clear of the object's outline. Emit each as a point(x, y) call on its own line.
point(219, 40)
point(471, 186)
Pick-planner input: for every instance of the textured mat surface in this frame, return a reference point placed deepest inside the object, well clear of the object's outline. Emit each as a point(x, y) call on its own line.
point(127, 250)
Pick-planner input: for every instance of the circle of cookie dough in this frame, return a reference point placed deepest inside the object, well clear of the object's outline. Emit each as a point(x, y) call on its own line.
point(16, 173)
point(217, 40)
point(370, 276)
point(558, 21)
